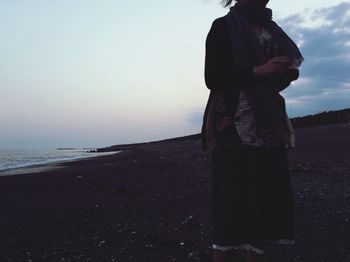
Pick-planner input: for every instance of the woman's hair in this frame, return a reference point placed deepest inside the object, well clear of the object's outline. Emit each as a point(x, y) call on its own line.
point(227, 3)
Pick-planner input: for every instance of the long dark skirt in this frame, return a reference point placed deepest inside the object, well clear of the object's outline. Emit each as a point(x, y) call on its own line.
point(252, 196)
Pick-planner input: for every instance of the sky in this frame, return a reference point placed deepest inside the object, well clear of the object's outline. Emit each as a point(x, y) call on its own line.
point(87, 73)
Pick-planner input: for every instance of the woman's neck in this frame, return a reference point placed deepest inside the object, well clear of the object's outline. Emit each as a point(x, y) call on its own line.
point(257, 28)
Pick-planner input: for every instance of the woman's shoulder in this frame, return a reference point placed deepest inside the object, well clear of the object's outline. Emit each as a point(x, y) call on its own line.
point(219, 26)
point(220, 22)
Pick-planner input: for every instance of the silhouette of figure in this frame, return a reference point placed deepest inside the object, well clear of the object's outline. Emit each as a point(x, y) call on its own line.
point(249, 60)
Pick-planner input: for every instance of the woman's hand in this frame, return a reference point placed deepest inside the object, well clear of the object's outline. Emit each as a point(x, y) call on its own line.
point(277, 65)
point(291, 74)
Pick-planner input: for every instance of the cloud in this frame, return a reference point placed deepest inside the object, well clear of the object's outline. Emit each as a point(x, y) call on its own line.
point(323, 36)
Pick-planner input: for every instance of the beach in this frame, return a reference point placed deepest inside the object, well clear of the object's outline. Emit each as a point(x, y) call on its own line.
point(152, 202)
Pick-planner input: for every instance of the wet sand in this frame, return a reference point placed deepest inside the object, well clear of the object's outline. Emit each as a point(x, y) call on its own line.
point(152, 202)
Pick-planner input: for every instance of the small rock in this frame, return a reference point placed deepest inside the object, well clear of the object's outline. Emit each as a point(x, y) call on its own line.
point(102, 242)
point(187, 219)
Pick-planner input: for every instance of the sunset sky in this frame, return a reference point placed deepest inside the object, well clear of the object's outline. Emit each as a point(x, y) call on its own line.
point(83, 73)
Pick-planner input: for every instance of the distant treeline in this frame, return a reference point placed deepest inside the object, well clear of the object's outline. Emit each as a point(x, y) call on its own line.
point(324, 118)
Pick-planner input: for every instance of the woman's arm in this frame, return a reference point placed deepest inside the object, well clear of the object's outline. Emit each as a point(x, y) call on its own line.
point(220, 72)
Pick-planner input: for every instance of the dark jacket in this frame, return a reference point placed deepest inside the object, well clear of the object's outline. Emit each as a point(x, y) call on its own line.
point(224, 82)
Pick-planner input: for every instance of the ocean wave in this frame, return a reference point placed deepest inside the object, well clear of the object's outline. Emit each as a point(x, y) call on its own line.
point(27, 158)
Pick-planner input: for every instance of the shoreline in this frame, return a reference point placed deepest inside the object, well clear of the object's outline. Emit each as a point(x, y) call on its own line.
point(50, 165)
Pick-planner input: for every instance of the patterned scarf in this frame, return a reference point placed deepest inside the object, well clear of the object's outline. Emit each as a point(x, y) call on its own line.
point(248, 52)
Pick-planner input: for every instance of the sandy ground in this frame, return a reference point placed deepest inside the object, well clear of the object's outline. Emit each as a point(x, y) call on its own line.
point(152, 203)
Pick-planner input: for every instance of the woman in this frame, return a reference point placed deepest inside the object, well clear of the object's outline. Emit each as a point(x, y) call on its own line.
point(249, 60)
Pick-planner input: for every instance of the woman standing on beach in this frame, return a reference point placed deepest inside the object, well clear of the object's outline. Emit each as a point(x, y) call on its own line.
point(249, 60)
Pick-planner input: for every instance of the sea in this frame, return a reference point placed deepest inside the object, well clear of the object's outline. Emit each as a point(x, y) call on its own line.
point(12, 159)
